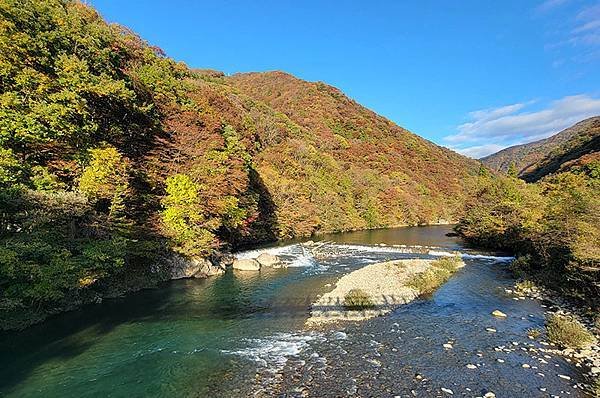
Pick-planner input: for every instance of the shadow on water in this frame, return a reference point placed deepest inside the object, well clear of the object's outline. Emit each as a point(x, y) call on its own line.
point(70, 334)
point(190, 310)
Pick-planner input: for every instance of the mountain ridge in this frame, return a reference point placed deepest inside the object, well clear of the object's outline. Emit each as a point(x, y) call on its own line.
point(533, 160)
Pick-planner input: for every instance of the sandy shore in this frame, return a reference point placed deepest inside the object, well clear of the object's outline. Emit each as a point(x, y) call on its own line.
point(385, 283)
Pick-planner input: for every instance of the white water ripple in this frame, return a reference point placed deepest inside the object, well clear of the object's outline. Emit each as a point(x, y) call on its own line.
point(271, 353)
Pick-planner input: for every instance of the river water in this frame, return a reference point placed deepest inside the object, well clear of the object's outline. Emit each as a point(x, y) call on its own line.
point(243, 334)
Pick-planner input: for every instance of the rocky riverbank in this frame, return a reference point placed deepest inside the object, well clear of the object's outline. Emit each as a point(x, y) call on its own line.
point(586, 357)
point(378, 288)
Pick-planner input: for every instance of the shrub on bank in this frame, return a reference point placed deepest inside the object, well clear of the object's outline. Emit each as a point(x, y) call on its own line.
point(357, 299)
point(440, 271)
point(534, 333)
point(525, 286)
point(567, 332)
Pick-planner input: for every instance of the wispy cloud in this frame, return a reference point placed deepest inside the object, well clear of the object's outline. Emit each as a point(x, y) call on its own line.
point(579, 31)
point(550, 4)
point(490, 130)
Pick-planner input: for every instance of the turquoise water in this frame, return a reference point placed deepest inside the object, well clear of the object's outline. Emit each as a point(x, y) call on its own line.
point(242, 333)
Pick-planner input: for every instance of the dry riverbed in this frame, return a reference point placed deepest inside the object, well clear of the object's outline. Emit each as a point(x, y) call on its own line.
point(383, 285)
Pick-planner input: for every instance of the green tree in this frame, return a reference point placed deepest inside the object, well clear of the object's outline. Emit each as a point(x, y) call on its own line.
point(184, 219)
point(512, 170)
point(105, 181)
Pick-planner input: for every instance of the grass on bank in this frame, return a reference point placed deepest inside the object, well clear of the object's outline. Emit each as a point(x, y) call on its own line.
point(534, 333)
point(567, 332)
point(440, 271)
point(525, 286)
point(357, 299)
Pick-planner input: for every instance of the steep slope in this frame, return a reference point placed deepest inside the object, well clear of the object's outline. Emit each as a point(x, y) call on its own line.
point(580, 148)
point(113, 156)
point(387, 175)
point(544, 154)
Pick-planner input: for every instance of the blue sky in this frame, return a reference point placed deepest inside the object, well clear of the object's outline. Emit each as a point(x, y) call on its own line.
point(473, 75)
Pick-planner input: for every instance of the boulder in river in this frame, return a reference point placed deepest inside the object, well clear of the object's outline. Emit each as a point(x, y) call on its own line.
point(499, 314)
point(208, 269)
point(181, 267)
point(223, 259)
point(246, 264)
point(268, 260)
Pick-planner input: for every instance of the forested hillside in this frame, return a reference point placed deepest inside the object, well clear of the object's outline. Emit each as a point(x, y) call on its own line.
point(581, 148)
point(534, 160)
point(552, 222)
point(367, 171)
point(551, 225)
point(112, 154)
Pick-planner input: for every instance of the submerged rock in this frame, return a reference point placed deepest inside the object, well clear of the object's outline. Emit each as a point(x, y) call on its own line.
point(246, 265)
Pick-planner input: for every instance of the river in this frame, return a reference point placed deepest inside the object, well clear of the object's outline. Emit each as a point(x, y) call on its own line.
point(243, 334)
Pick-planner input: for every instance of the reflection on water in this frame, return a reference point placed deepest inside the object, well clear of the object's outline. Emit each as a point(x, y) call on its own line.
point(211, 337)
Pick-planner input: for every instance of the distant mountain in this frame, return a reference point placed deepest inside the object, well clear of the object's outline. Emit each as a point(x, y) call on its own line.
point(534, 160)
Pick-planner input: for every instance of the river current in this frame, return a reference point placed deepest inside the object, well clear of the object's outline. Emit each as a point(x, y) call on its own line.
point(243, 334)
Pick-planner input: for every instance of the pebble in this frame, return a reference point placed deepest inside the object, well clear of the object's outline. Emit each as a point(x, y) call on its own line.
point(471, 366)
point(447, 391)
point(489, 395)
point(491, 330)
point(526, 366)
point(500, 360)
point(564, 377)
point(448, 346)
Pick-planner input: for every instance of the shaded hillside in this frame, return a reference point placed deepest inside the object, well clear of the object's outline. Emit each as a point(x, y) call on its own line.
point(536, 159)
point(579, 149)
point(112, 155)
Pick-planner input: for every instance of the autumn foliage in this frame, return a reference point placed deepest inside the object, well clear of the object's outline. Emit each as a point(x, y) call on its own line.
point(112, 153)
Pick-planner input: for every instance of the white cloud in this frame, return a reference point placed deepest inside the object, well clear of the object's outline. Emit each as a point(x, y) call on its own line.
point(479, 151)
point(500, 127)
